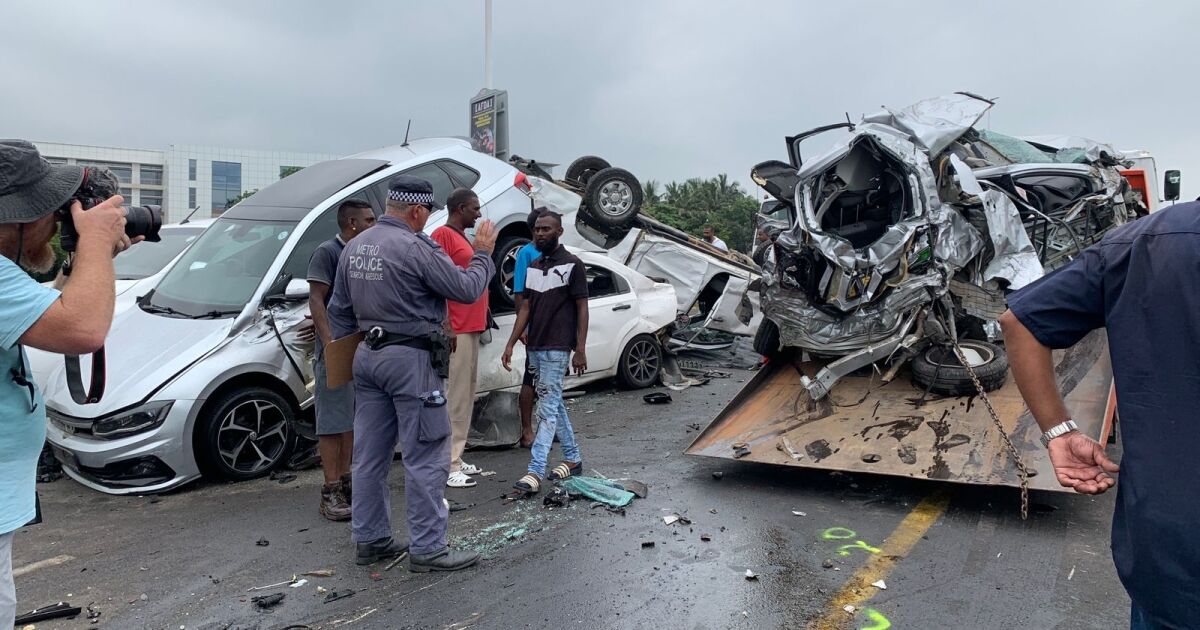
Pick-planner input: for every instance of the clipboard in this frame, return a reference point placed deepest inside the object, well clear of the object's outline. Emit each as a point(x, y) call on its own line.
point(339, 359)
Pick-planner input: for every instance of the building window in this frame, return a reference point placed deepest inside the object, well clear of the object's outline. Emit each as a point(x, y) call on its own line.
point(123, 170)
point(191, 197)
point(284, 171)
point(151, 174)
point(226, 184)
point(191, 170)
point(152, 197)
point(127, 194)
point(55, 160)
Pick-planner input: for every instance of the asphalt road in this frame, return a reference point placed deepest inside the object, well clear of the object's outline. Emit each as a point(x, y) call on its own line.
point(186, 559)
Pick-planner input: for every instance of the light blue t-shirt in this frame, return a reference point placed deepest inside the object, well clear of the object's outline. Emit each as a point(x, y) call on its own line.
point(22, 412)
point(525, 256)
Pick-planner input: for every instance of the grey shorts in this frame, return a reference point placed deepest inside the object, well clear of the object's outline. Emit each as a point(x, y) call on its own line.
point(335, 407)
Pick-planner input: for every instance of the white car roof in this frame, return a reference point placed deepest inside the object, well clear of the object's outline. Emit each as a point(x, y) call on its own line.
point(415, 148)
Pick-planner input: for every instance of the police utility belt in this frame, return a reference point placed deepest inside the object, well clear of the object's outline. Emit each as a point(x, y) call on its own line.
point(437, 344)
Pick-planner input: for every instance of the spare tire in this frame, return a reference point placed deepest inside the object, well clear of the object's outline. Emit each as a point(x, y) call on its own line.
point(582, 169)
point(938, 369)
point(612, 198)
point(766, 338)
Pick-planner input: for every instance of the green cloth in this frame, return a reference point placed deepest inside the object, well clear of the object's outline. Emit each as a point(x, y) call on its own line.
point(602, 490)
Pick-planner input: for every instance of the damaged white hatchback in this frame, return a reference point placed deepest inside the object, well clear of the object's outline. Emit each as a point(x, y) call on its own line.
point(907, 235)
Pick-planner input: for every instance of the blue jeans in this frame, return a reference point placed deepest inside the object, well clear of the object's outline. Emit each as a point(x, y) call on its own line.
point(1139, 620)
point(549, 367)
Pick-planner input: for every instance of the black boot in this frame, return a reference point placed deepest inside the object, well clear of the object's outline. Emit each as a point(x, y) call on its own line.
point(382, 549)
point(345, 479)
point(444, 560)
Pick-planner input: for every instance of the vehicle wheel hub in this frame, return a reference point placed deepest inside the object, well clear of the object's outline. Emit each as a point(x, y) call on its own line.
point(615, 198)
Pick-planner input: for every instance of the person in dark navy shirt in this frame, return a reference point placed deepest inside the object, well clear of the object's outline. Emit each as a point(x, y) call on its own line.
point(1141, 283)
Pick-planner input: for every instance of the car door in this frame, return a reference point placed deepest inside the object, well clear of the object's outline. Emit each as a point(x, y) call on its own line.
point(610, 305)
point(737, 310)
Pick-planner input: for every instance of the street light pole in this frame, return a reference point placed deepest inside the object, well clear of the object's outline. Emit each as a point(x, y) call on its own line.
point(487, 44)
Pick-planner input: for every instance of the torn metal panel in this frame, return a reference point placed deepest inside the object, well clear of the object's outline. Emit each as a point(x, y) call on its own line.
point(1081, 150)
point(1014, 258)
point(935, 122)
point(894, 429)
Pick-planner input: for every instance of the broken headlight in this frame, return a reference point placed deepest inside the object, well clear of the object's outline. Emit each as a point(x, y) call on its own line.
point(144, 418)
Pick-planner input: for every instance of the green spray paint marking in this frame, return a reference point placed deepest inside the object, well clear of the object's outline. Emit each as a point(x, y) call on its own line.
point(845, 550)
point(838, 533)
point(878, 621)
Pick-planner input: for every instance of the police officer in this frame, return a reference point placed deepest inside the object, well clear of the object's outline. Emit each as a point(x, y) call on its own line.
point(392, 284)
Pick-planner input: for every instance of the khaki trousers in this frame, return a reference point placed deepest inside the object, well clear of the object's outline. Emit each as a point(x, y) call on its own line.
point(464, 371)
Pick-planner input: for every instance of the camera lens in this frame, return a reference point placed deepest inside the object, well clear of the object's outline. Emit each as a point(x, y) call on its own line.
point(143, 221)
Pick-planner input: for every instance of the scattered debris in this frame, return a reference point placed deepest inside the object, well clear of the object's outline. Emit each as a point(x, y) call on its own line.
point(677, 519)
point(718, 475)
point(400, 558)
point(827, 563)
point(870, 458)
point(694, 426)
point(786, 446)
point(487, 473)
point(143, 597)
point(333, 596)
point(751, 576)
point(799, 513)
point(376, 576)
point(741, 449)
point(46, 613)
point(713, 511)
point(557, 497)
point(276, 585)
point(93, 613)
point(639, 489)
point(647, 544)
point(283, 477)
point(263, 542)
point(657, 398)
point(705, 537)
point(320, 573)
point(265, 603)
point(1071, 574)
point(879, 584)
point(321, 590)
point(848, 608)
point(298, 583)
point(603, 490)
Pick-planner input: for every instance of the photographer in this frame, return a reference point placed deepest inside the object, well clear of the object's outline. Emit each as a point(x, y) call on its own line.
point(74, 321)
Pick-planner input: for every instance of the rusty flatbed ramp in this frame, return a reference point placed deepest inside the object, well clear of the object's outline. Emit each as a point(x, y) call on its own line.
point(895, 429)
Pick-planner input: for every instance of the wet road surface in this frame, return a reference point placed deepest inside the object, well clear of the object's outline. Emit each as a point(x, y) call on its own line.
point(186, 559)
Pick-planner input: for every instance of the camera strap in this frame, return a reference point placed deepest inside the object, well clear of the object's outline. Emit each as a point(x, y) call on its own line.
point(75, 378)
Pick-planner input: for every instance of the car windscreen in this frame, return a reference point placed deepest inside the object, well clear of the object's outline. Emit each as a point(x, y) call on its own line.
point(219, 273)
point(147, 259)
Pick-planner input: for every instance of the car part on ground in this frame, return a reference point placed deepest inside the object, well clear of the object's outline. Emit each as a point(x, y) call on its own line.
point(938, 371)
point(915, 226)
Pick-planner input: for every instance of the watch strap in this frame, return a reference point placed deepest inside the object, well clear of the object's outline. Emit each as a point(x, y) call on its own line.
point(1061, 428)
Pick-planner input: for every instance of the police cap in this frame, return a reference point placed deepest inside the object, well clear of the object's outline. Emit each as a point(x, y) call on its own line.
point(409, 189)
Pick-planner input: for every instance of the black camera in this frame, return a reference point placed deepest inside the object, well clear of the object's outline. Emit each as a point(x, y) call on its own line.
point(98, 185)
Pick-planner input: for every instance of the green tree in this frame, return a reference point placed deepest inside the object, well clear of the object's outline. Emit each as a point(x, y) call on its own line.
point(695, 203)
point(284, 171)
point(236, 200)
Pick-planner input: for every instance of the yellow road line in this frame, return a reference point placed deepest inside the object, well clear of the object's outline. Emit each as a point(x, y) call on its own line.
point(858, 590)
point(41, 564)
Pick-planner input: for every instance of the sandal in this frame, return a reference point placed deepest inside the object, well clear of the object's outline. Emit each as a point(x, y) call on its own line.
point(529, 484)
point(564, 470)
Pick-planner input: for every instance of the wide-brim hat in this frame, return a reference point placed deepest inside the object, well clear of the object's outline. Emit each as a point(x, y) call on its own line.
point(31, 187)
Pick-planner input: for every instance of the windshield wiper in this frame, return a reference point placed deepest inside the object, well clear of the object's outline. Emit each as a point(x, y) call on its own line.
point(161, 310)
point(214, 314)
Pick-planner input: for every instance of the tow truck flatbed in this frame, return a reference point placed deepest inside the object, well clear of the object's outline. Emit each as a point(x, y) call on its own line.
point(864, 426)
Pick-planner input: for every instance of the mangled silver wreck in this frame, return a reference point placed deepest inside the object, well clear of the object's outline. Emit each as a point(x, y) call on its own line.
point(909, 233)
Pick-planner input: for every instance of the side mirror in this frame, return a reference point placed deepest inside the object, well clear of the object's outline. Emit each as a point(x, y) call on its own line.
point(296, 290)
point(1171, 181)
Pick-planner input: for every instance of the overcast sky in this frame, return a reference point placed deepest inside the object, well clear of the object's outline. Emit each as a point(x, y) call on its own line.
point(669, 90)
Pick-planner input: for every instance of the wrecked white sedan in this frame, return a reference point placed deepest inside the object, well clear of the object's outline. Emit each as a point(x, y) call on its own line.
point(907, 235)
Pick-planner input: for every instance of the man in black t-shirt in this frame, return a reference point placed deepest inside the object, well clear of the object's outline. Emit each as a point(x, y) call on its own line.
point(554, 308)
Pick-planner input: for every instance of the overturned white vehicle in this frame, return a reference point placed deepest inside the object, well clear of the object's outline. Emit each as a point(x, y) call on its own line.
point(908, 234)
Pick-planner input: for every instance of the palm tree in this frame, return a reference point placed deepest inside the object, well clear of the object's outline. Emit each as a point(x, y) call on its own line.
point(650, 192)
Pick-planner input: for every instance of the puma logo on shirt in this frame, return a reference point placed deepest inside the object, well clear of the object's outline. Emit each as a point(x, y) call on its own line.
point(553, 278)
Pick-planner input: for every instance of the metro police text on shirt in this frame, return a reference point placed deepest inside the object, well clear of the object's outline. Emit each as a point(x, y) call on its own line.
point(366, 263)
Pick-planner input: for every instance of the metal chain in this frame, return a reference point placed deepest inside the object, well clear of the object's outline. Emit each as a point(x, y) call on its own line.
point(1008, 445)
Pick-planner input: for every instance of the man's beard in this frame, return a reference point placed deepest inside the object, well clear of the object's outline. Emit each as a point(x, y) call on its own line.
point(547, 246)
point(40, 261)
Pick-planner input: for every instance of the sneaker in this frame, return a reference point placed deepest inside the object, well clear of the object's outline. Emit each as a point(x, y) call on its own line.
point(444, 560)
point(459, 480)
point(333, 504)
point(470, 469)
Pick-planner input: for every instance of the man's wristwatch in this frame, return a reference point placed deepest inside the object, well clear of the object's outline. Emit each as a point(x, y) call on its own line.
point(1057, 430)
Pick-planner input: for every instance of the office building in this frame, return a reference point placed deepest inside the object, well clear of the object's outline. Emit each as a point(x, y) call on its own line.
point(183, 178)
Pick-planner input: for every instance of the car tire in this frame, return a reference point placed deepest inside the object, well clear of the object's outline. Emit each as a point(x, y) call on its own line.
point(938, 370)
point(612, 198)
point(582, 169)
point(505, 259)
point(766, 339)
point(254, 418)
point(640, 363)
